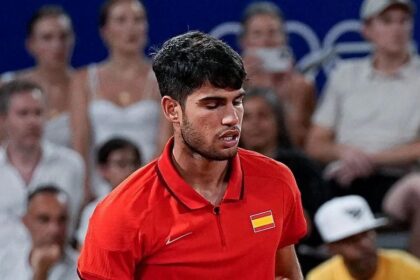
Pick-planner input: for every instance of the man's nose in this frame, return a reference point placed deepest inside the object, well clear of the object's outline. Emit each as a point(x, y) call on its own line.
point(231, 116)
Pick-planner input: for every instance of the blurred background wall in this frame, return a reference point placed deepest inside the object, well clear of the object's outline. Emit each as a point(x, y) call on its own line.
point(319, 30)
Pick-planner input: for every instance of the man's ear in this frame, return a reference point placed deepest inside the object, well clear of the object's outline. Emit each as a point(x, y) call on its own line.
point(171, 109)
point(25, 219)
point(365, 31)
point(103, 171)
point(29, 45)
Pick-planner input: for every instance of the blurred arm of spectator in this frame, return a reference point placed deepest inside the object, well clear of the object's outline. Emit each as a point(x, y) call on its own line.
point(80, 123)
point(349, 162)
point(400, 155)
point(401, 203)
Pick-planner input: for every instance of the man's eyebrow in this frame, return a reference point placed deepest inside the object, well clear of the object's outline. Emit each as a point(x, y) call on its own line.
point(211, 98)
point(220, 98)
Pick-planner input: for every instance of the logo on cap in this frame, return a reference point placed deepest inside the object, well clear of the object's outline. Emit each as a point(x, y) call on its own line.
point(355, 213)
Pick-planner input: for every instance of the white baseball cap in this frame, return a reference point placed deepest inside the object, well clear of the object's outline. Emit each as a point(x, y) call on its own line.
point(372, 8)
point(345, 216)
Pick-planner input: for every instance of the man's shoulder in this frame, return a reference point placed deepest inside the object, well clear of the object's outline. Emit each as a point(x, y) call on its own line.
point(55, 152)
point(353, 65)
point(134, 191)
point(400, 258)
point(117, 219)
point(256, 164)
point(326, 270)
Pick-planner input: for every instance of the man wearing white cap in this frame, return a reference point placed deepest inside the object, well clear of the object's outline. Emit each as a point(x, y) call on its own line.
point(347, 225)
point(367, 127)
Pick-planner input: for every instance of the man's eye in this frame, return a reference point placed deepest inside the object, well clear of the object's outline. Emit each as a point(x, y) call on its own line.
point(238, 102)
point(212, 105)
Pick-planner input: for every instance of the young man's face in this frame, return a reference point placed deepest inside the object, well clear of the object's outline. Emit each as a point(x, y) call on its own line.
point(263, 31)
point(46, 220)
point(390, 31)
point(120, 164)
point(211, 122)
point(24, 119)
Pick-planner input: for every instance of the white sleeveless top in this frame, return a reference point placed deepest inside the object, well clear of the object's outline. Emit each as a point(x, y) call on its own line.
point(137, 122)
point(56, 130)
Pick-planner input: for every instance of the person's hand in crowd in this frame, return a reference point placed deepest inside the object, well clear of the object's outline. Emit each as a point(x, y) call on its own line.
point(352, 164)
point(42, 259)
point(252, 63)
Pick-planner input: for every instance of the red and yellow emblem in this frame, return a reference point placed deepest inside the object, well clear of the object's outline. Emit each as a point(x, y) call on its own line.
point(262, 221)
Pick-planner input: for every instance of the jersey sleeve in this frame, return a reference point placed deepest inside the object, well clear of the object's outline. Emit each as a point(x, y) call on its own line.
point(110, 251)
point(294, 224)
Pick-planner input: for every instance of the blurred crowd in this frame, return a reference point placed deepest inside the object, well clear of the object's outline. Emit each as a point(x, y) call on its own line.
point(69, 136)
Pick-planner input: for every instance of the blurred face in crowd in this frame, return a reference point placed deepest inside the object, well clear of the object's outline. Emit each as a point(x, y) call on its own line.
point(210, 122)
point(120, 164)
point(126, 27)
point(359, 253)
point(260, 128)
point(24, 119)
point(51, 41)
point(46, 219)
point(263, 31)
point(390, 31)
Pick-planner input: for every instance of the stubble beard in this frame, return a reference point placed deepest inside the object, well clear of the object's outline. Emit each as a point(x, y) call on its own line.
point(196, 144)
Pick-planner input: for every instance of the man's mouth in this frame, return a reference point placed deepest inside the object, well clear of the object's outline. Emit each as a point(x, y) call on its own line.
point(230, 137)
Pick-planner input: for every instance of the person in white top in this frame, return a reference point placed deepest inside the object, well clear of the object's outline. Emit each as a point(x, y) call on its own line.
point(367, 127)
point(50, 41)
point(46, 254)
point(26, 161)
point(119, 97)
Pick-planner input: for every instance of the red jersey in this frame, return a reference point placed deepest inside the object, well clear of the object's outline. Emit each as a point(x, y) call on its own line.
point(155, 226)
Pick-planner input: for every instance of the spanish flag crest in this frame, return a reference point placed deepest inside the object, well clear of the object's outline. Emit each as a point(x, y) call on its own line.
point(262, 221)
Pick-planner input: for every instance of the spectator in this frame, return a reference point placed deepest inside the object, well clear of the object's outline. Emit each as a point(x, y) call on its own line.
point(367, 127)
point(116, 159)
point(47, 255)
point(119, 96)
point(402, 204)
point(50, 40)
point(347, 226)
point(269, 63)
point(27, 162)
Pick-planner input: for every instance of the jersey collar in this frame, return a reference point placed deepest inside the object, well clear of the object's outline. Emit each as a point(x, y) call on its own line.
point(185, 193)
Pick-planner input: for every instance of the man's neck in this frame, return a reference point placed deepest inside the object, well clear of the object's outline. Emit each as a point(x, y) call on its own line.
point(208, 177)
point(52, 75)
point(24, 160)
point(390, 63)
point(126, 63)
point(362, 272)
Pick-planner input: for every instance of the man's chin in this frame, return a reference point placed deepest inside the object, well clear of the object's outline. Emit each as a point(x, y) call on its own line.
point(227, 154)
